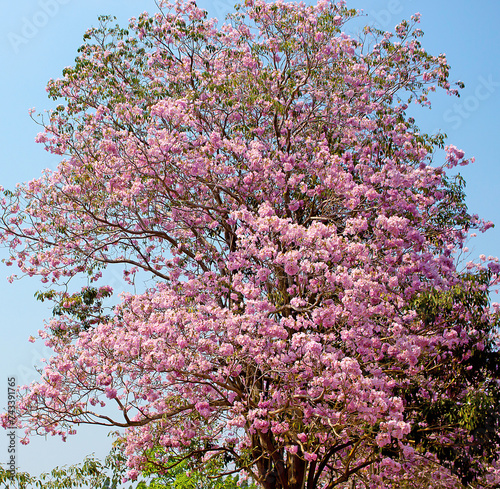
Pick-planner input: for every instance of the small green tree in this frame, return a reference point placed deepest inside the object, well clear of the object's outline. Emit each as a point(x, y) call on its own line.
point(217, 473)
point(109, 474)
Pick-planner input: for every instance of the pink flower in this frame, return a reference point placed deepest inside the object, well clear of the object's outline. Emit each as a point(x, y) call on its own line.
point(111, 393)
point(310, 457)
point(291, 268)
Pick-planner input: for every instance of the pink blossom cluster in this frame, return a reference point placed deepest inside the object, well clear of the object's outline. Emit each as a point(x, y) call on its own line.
point(266, 175)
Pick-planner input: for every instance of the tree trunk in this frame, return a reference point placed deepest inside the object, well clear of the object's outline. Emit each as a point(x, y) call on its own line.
point(296, 468)
point(274, 472)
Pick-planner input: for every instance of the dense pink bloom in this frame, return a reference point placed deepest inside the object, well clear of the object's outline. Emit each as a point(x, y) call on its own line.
point(306, 313)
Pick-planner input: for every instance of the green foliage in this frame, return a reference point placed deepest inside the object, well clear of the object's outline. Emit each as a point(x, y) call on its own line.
point(452, 211)
point(85, 306)
point(469, 391)
point(191, 473)
point(92, 473)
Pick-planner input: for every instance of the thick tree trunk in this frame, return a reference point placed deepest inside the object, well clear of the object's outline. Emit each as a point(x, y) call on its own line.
point(296, 469)
point(275, 472)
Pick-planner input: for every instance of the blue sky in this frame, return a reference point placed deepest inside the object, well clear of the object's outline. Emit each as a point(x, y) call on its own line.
point(38, 38)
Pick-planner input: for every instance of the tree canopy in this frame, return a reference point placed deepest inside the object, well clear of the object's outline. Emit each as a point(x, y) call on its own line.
point(309, 324)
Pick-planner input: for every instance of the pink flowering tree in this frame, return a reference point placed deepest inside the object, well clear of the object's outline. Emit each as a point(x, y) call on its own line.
point(310, 324)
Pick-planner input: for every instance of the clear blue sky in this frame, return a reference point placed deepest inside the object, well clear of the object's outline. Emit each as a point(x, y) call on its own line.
point(39, 38)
